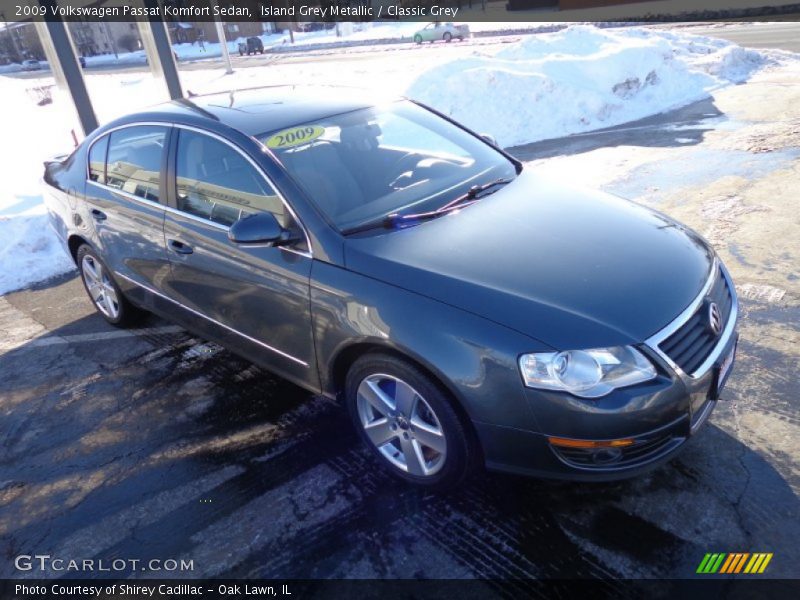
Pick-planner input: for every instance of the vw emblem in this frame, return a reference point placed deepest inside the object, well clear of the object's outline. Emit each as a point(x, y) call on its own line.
point(714, 318)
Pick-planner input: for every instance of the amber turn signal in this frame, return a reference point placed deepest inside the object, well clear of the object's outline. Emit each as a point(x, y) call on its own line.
point(570, 443)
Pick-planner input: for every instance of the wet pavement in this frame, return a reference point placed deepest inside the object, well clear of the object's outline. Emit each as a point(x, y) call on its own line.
point(161, 445)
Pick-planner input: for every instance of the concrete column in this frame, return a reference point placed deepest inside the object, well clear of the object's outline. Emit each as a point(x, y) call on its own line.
point(60, 53)
point(158, 48)
point(223, 41)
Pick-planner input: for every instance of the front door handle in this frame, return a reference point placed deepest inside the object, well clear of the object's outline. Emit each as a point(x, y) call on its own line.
point(98, 215)
point(179, 247)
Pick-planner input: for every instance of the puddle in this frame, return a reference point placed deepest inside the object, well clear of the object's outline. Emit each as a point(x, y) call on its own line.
point(701, 166)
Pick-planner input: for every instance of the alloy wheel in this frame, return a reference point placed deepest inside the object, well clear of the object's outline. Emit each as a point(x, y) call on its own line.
point(401, 425)
point(101, 288)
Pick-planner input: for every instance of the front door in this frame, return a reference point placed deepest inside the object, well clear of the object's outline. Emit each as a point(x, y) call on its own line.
point(255, 298)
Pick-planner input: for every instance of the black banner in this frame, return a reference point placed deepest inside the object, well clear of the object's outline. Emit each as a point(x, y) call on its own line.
point(709, 588)
point(315, 11)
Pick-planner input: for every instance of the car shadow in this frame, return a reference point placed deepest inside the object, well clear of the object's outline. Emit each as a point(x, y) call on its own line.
point(163, 445)
point(685, 126)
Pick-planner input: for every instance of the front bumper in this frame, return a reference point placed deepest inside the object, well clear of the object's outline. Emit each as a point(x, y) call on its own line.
point(655, 418)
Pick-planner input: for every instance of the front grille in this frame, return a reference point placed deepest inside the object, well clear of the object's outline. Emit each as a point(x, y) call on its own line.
point(640, 452)
point(690, 345)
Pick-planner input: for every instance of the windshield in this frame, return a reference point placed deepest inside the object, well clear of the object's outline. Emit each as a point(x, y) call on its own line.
point(399, 158)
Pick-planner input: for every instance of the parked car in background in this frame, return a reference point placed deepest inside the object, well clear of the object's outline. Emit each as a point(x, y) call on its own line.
point(465, 309)
point(31, 65)
point(314, 26)
point(253, 45)
point(441, 31)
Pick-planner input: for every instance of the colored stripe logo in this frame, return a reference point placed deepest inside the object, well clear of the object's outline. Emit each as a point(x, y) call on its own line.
point(734, 562)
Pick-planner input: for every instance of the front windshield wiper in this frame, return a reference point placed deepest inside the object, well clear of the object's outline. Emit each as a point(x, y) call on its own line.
point(472, 194)
point(390, 220)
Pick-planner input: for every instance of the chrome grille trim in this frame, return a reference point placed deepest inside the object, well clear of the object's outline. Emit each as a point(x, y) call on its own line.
point(655, 340)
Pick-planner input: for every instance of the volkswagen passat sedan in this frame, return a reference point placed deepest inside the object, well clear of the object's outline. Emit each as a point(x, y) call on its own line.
point(467, 311)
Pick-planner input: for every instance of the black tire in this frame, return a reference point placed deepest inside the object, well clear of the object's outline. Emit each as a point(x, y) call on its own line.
point(241, 53)
point(459, 457)
point(417, 39)
point(447, 37)
point(127, 313)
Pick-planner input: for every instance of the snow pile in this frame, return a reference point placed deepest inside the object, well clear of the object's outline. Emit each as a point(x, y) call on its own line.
point(29, 251)
point(580, 79)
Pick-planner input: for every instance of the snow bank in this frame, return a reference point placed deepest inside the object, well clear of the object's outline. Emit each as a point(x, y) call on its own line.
point(29, 251)
point(580, 79)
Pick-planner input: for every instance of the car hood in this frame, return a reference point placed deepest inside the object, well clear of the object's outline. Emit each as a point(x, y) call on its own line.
point(570, 267)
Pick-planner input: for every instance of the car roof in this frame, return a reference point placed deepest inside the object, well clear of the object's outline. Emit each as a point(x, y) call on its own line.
point(261, 110)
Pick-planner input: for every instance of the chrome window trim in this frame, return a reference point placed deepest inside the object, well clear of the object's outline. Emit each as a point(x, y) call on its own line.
point(255, 165)
point(107, 133)
point(724, 338)
point(128, 195)
point(199, 314)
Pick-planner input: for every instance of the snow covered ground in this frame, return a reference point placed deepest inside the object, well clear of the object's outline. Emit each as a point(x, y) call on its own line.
point(545, 86)
point(580, 79)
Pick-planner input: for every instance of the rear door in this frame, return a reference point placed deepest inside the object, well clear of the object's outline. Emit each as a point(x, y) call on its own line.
point(253, 298)
point(126, 204)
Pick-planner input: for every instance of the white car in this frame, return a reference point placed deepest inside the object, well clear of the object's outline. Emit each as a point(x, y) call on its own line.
point(31, 65)
point(441, 31)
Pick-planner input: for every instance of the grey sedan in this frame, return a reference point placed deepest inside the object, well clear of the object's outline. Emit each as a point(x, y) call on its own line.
point(466, 311)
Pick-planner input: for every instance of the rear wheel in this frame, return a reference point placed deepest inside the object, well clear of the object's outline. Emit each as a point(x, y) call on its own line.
point(408, 422)
point(103, 290)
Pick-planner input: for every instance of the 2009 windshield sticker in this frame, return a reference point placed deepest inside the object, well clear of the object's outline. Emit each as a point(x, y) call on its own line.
point(295, 136)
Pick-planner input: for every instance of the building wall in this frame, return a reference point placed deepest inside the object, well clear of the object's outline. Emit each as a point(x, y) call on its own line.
point(91, 38)
point(22, 40)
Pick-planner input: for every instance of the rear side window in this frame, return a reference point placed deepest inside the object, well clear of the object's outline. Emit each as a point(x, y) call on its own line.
point(134, 160)
point(97, 160)
point(217, 183)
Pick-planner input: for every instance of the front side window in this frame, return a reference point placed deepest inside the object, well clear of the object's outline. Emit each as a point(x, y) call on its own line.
point(397, 158)
point(97, 160)
point(134, 160)
point(217, 183)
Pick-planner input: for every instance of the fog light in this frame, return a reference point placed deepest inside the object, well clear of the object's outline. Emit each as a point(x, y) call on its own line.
point(606, 456)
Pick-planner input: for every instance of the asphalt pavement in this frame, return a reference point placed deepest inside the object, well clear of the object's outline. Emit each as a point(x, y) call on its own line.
point(152, 443)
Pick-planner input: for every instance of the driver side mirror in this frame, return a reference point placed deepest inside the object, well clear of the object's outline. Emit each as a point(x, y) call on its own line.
point(260, 228)
point(489, 138)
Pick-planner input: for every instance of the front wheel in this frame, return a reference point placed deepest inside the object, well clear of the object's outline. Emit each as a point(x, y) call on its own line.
point(103, 290)
point(417, 39)
point(408, 422)
point(447, 36)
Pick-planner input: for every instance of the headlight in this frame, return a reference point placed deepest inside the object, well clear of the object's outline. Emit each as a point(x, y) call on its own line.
point(586, 373)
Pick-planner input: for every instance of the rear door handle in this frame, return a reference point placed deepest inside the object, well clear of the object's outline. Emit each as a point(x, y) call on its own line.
point(179, 247)
point(98, 215)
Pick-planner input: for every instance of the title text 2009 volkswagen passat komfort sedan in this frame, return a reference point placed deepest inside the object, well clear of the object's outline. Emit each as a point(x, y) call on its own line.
point(466, 310)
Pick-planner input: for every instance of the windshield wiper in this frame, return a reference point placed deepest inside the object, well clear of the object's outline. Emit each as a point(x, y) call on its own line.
point(472, 194)
point(393, 219)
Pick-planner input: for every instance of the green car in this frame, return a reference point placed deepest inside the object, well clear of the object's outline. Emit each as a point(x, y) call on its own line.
point(441, 31)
